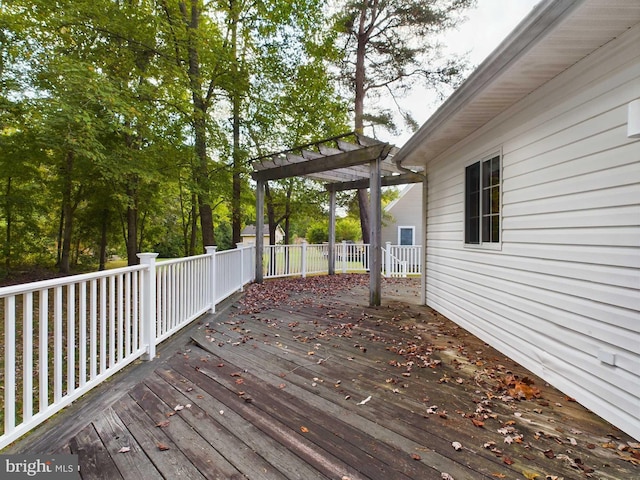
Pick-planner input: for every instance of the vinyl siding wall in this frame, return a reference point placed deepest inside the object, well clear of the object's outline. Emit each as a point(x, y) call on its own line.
point(565, 284)
point(406, 212)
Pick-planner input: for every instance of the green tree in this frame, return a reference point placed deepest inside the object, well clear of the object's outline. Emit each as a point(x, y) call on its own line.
point(388, 46)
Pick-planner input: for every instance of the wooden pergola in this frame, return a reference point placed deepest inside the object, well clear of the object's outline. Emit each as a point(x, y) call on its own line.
point(347, 162)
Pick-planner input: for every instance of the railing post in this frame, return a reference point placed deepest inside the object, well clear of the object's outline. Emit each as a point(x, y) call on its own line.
point(344, 256)
point(148, 307)
point(211, 251)
point(387, 260)
point(303, 261)
point(240, 248)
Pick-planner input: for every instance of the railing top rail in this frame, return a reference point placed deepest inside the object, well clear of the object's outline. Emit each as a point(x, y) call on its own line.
point(170, 261)
point(68, 280)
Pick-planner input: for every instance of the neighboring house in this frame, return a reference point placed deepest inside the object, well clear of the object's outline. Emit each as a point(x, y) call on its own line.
point(405, 226)
point(533, 205)
point(248, 235)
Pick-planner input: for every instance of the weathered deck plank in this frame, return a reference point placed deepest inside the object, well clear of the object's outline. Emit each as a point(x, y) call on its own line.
point(93, 457)
point(273, 383)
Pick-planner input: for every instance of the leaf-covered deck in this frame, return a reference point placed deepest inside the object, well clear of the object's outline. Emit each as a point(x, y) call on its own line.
point(300, 379)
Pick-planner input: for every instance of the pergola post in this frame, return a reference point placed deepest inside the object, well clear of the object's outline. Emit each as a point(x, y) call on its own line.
point(375, 265)
point(425, 205)
point(259, 230)
point(332, 232)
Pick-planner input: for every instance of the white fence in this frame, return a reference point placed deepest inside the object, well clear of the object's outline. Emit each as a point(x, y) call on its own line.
point(63, 337)
point(305, 259)
point(402, 260)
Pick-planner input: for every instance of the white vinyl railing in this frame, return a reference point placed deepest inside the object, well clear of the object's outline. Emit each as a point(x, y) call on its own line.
point(402, 260)
point(305, 259)
point(63, 337)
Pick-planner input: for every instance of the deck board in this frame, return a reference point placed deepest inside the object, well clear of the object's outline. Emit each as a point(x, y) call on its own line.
point(271, 387)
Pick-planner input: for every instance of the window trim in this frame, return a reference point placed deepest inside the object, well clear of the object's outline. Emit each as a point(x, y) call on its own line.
point(413, 233)
point(479, 160)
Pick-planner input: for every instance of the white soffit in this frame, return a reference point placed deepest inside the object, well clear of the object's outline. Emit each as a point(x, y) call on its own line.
point(555, 36)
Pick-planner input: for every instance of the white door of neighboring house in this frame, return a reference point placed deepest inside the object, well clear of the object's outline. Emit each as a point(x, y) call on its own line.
point(406, 235)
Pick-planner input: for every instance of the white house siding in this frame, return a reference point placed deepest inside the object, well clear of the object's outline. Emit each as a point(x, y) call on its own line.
point(407, 212)
point(565, 284)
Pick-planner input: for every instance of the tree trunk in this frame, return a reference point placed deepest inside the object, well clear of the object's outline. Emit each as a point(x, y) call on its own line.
point(360, 92)
point(287, 216)
point(67, 213)
point(203, 184)
point(365, 223)
point(194, 225)
point(271, 215)
point(103, 239)
point(8, 213)
point(132, 227)
point(206, 223)
point(236, 212)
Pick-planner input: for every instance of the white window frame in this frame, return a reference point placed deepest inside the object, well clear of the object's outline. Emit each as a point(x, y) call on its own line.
point(413, 233)
point(484, 244)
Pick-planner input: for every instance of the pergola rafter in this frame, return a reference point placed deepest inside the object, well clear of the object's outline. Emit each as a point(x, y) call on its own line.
point(347, 162)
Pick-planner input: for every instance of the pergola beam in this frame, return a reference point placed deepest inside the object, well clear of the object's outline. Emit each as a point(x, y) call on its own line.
point(387, 181)
point(341, 160)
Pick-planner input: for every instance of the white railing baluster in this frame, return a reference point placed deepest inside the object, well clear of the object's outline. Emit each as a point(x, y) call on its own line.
point(82, 336)
point(57, 344)
point(112, 322)
point(136, 302)
point(9, 361)
point(119, 306)
point(71, 338)
point(27, 356)
point(93, 331)
point(43, 349)
point(103, 324)
point(127, 314)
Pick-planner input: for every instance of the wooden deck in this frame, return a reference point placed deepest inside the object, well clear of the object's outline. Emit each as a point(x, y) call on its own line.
point(300, 379)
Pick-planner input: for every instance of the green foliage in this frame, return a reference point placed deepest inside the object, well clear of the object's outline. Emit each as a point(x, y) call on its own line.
point(389, 45)
point(317, 233)
point(347, 229)
point(115, 120)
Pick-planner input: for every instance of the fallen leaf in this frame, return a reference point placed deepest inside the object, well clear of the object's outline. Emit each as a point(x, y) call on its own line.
point(456, 445)
point(304, 429)
point(415, 456)
point(499, 475)
point(124, 450)
point(364, 401)
point(163, 424)
point(508, 460)
point(549, 454)
point(530, 475)
point(281, 386)
point(177, 408)
point(446, 476)
point(162, 447)
point(477, 423)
